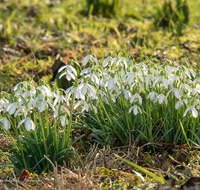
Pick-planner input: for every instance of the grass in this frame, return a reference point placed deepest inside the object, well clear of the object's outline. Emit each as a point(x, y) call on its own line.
point(33, 33)
point(43, 30)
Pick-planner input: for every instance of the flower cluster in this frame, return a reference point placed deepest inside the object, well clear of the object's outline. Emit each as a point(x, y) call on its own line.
point(120, 77)
point(29, 98)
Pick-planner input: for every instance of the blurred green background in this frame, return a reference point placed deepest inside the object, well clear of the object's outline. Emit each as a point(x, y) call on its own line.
point(33, 33)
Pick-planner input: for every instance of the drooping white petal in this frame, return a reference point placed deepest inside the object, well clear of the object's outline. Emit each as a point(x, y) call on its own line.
point(76, 93)
point(118, 94)
point(85, 71)
point(131, 78)
point(161, 98)
point(29, 124)
point(178, 104)
point(94, 78)
point(130, 109)
point(106, 61)
point(176, 93)
point(12, 108)
point(45, 90)
point(193, 73)
point(95, 109)
point(95, 60)
point(68, 76)
point(69, 89)
point(62, 68)
point(126, 96)
point(84, 89)
point(110, 83)
point(50, 104)
point(85, 106)
point(55, 113)
point(62, 120)
point(6, 123)
point(92, 90)
point(77, 104)
point(137, 97)
point(194, 112)
point(22, 121)
point(73, 70)
point(62, 74)
point(86, 59)
point(43, 106)
point(135, 110)
point(66, 110)
point(15, 88)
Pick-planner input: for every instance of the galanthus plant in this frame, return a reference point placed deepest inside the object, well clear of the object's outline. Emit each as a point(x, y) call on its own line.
point(121, 99)
point(27, 112)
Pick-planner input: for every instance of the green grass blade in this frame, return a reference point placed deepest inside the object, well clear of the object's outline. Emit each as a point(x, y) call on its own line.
point(160, 179)
point(184, 134)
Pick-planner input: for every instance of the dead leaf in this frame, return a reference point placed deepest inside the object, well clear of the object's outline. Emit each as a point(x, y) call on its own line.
point(24, 176)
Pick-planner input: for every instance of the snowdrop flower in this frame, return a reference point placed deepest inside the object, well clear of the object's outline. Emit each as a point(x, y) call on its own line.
point(62, 120)
point(21, 111)
point(148, 81)
point(87, 58)
point(11, 108)
point(45, 104)
point(178, 104)
point(85, 107)
point(107, 60)
point(163, 80)
point(94, 78)
point(194, 111)
point(136, 97)
point(161, 98)
point(29, 124)
point(6, 123)
point(58, 99)
point(84, 88)
point(62, 109)
point(85, 71)
point(122, 61)
point(176, 93)
point(172, 79)
point(38, 100)
point(3, 104)
point(29, 94)
point(45, 91)
point(41, 102)
point(135, 109)
point(131, 78)
point(109, 83)
point(70, 72)
point(127, 94)
point(21, 85)
point(152, 95)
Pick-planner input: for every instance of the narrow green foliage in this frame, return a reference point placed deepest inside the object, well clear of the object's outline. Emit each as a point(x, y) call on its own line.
point(173, 17)
point(160, 179)
point(106, 8)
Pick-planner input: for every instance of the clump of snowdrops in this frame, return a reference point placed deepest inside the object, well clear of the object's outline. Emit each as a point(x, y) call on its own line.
point(120, 99)
point(27, 113)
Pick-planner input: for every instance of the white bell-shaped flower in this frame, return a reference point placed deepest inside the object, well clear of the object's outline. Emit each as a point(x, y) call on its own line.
point(194, 111)
point(6, 123)
point(136, 97)
point(29, 124)
point(135, 109)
